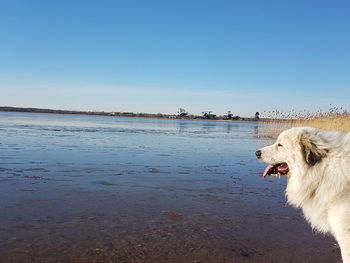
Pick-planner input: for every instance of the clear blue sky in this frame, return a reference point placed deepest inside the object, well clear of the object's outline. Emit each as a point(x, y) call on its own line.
point(157, 56)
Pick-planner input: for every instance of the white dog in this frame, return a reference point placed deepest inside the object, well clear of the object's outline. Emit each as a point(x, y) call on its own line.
point(317, 164)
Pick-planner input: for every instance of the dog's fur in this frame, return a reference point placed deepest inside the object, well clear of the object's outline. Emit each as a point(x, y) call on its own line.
point(318, 178)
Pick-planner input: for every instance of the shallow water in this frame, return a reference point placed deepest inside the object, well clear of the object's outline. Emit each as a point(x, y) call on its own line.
point(107, 189)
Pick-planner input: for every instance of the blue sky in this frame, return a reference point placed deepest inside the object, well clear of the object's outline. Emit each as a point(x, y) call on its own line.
point(156, 56)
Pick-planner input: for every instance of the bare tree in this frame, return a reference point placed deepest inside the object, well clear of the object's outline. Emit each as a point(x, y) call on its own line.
point(182, 113)
point(257, 116)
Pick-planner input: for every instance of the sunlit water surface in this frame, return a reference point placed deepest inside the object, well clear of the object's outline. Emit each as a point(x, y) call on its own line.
point(135, 189)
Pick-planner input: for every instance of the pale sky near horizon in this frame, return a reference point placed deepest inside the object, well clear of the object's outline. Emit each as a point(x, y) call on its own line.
point(156, 56)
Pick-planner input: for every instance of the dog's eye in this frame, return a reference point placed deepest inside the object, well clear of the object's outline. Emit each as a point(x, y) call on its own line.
point(279, 145)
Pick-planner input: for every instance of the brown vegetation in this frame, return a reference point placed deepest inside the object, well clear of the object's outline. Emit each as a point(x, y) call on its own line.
point(334, 119)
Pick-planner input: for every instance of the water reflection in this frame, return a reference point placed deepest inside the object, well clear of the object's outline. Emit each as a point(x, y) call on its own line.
point(228, 128)
point(209, 126)
point(182, 125)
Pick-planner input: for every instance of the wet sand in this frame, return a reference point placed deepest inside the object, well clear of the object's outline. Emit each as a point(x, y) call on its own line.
point(156, 226)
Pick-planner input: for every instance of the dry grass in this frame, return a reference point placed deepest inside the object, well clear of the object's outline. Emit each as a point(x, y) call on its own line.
point(275, 122)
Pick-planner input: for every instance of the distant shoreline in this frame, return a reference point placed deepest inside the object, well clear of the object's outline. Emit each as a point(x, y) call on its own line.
point(119, 114)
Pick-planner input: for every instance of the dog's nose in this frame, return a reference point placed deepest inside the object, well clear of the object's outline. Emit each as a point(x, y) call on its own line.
point(258, 154)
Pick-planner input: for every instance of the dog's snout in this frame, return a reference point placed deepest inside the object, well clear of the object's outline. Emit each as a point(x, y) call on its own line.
point(258, 154)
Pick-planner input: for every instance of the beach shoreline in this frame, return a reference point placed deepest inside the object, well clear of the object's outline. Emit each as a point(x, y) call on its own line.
point(113, 114)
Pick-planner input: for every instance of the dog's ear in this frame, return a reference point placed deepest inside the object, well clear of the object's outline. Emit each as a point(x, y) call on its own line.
point(311, 146)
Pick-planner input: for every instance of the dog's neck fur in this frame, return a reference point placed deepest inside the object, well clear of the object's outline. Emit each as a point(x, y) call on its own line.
point(305, 187)
point(302, 192)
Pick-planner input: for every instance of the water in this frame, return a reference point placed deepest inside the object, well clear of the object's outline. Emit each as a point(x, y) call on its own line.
point(70, 183)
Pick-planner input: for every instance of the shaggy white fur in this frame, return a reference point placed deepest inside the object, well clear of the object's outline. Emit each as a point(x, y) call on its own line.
point(318, 178)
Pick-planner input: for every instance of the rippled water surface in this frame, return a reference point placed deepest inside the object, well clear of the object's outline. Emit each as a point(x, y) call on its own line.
point(107, 189)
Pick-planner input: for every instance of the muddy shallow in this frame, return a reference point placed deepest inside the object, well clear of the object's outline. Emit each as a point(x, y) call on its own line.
point(100, 189)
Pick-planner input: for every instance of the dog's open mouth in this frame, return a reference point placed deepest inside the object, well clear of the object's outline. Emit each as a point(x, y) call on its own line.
point(276, 170)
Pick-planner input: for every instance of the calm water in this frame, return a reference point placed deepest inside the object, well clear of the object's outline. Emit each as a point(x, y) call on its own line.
point(106, 189)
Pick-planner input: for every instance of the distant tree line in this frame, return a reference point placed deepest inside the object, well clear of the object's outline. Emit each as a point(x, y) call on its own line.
point(181, 114)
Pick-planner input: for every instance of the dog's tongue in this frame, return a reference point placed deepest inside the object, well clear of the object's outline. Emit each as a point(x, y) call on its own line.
point(268, 168)
point(281, 168)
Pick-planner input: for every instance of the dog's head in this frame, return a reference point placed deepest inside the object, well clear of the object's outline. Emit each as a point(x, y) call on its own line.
point(296, 146)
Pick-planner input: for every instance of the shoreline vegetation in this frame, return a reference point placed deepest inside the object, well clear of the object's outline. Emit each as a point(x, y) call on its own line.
point(334, 119)
point(181, 115)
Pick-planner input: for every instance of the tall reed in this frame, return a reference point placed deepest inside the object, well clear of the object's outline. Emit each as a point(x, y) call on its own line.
point(274, 122)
